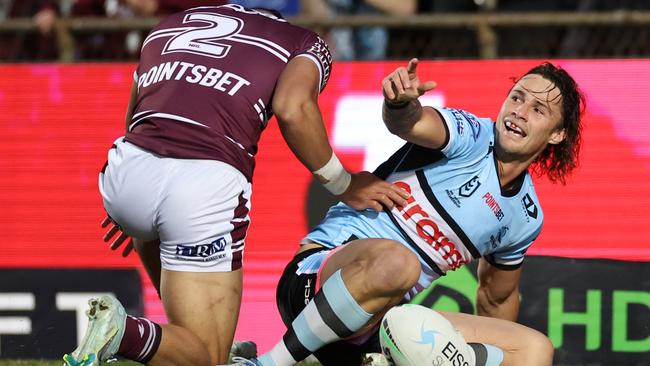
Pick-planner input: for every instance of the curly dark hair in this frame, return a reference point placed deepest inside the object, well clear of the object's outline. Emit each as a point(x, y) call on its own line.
point(558, 161)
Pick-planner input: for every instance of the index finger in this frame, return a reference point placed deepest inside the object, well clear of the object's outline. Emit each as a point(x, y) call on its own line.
point(413, 64)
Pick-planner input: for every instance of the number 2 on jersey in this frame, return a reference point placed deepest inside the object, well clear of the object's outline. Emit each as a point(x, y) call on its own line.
point(202, 40)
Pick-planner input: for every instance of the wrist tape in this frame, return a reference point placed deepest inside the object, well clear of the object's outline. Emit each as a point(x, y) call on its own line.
point(337, 178)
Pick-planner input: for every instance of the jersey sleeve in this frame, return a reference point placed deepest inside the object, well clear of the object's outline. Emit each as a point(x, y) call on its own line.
point(469, 136)
point(512, 257)
point(315, 48)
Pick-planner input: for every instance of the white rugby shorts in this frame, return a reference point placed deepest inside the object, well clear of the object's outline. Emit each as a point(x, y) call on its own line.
point(198, 209)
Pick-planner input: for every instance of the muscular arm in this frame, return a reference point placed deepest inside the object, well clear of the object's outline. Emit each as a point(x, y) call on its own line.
point(301, 124)
point(498, 292)
point(295, 105)
point(428, 130)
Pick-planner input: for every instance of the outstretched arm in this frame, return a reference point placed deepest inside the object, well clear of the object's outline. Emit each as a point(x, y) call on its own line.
point(295, 103)
point(498, 292)
point(402, 112)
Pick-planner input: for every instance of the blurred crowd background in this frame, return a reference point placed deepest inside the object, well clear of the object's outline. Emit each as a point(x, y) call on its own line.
point(112, 30)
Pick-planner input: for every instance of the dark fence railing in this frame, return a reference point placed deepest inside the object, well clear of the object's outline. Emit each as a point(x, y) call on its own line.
point(483, 25)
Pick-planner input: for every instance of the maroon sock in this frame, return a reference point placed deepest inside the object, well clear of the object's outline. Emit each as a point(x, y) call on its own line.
point(141, 339)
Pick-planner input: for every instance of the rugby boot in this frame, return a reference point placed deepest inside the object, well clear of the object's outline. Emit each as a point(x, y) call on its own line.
point(243, 349)
point(106, 323)
point(240, 361)
point(374, 359)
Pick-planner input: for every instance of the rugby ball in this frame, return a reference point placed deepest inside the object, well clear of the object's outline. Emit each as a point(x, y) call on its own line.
point(413, 335)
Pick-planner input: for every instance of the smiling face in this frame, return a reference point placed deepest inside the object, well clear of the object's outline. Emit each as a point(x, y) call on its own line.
point(530, 118)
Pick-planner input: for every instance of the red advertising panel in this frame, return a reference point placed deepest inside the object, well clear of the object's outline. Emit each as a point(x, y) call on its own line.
point(57, 122)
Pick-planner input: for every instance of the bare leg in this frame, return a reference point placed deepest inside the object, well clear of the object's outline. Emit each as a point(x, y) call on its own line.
point(521, 345)
point(358, 282)
point(377, 272)
point(201, 330)
point(149, 253)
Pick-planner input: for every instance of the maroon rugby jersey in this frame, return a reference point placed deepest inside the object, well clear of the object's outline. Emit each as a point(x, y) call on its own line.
point(206, 79)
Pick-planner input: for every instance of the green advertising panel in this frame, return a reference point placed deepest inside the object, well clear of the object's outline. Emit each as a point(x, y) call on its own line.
point(595, 312)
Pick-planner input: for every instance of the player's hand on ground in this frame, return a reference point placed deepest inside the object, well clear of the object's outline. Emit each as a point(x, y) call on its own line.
point(403, 85)
point(119, 240)
point(368, 191)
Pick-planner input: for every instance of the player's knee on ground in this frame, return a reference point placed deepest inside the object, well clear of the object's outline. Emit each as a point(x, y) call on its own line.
point(180, 346)
point(392, 268)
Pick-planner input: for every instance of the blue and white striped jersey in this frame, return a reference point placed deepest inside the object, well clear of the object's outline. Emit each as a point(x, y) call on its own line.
point(457, 211)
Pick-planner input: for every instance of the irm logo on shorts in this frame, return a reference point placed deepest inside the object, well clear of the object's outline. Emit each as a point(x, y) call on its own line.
point(202, 250)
